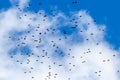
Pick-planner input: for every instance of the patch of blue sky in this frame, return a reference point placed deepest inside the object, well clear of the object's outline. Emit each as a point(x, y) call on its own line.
point(13, 51)
point(72, 34)
point(5, 4)
point(25, 50)
point(67, 30)
point(58, 54)
point(16, 34)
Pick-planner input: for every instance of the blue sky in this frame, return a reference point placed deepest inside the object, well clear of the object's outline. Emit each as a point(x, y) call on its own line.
point(103, 11)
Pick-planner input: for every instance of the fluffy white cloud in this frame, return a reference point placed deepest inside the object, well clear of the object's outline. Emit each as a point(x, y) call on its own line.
point(54, 47)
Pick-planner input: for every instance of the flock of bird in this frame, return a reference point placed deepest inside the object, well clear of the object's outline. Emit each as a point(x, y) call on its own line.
point(50, 48)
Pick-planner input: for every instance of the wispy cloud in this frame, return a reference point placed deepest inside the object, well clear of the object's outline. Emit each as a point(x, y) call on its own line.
point(54, 47)
point(20, 3)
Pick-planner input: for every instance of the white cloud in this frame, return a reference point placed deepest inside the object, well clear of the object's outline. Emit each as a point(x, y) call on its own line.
point(87, 56)
point(20, 3)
